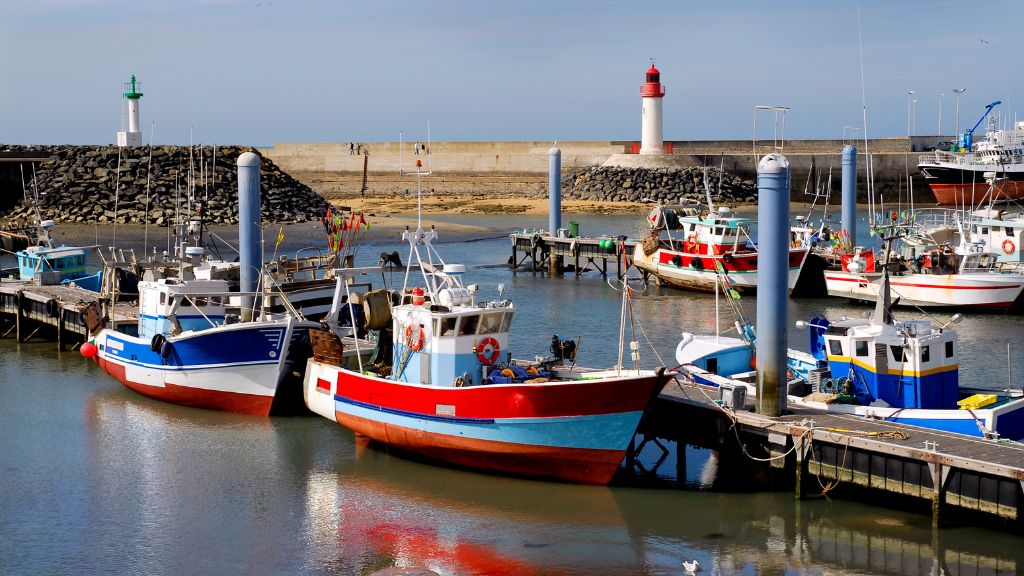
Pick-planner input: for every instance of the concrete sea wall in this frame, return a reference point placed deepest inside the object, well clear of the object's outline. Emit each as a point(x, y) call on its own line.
point(520, 167)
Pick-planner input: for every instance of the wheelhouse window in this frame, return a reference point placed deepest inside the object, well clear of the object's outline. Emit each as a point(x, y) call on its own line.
point(861, 348)
point(897, 354)
point(448, 326)
point(835, 347)
point(506, 322)
point(163, 298)
point(949, 349)
point(926, 353)
point(468, 325)
point(490, 323)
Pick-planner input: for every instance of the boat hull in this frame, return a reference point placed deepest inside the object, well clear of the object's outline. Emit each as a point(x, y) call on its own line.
point(955, 186)
point(574, 431)
point(983, 290)
point(699, 271)
point(233, 368)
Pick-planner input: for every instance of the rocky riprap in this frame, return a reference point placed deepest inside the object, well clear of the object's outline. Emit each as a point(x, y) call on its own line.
point(661, 185)
point(77, 185)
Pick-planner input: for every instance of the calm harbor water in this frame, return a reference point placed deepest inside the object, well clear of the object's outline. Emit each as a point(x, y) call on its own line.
point(97, 479)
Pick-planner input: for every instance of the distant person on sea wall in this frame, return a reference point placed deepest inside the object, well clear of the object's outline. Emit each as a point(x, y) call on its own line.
point(351, 149)
point(416, 148)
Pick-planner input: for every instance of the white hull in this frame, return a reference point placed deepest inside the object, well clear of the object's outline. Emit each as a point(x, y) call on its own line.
point(988, 290)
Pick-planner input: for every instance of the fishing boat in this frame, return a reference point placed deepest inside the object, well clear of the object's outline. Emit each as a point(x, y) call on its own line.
point(705, 242)
point(905, 372)
point(187, 349)
point(974, 172)
point(442, 384)
point(46, 263)
point(932, 276)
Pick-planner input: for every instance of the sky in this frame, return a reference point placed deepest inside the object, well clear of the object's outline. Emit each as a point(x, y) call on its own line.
point(258, 72)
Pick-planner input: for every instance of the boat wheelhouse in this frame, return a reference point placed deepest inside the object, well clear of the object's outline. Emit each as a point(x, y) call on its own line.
point(695, 247)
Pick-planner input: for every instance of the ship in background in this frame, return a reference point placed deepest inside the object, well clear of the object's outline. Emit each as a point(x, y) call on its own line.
point(976, 173)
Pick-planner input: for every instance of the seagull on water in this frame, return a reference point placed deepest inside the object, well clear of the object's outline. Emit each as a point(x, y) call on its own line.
point(691, 566)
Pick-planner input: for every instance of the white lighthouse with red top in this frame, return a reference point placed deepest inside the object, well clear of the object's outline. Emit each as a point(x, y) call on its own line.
point(651, 140)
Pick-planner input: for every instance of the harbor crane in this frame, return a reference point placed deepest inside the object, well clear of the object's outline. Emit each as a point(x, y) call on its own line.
point(967, 138)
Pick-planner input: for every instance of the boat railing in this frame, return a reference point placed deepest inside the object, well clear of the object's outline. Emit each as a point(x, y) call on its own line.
point(930, 218)
point(998, 157)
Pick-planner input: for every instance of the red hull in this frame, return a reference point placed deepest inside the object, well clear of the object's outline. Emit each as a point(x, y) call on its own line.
point(193, 397)
point(958, 194)
point(583, 466)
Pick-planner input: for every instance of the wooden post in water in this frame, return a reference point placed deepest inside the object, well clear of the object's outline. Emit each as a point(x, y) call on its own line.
point(940, 474)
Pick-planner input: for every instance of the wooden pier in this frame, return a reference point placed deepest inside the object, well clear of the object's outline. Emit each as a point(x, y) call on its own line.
point(952, 472)
point(57, 313)
point(551, 253)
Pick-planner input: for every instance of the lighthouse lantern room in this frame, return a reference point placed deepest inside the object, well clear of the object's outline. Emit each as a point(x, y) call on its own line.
point(129, 135)
point(651, 93)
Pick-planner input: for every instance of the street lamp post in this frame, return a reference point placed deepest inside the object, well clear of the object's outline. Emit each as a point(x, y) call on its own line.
point(910, 95)
point(913, 116)
point(940, 113)
point(958, 92)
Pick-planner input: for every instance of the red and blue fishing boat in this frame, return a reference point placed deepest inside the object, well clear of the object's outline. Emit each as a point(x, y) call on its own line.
point(441, 384)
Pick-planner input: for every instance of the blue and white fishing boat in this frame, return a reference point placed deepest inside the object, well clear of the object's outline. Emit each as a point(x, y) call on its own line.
point(187, 349)
point(56, 264)
point(905, 372)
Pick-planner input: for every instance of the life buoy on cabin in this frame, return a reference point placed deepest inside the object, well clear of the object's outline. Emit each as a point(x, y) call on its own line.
point(414, 338)
point(1008, 246)
point(488, 357)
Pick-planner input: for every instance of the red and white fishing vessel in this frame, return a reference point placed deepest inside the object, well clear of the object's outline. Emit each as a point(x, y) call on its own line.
point(691, 258)
point(939, 277)
point(442, 384)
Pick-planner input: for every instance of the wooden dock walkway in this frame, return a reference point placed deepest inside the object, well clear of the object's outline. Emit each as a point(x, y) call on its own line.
point(53, 312)
point(551, 253)
point(951, 470)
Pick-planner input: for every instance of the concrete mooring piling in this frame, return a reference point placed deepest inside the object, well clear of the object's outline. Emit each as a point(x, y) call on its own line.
point(554, 203)
point(772, 282)
point(250, 254)
point(849, 199)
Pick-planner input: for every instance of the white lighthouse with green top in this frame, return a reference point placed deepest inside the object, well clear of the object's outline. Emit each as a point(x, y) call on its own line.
point(129, 135)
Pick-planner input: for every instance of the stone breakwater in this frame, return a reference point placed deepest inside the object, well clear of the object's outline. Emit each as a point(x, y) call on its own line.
point(77, 184)
point(660, 185)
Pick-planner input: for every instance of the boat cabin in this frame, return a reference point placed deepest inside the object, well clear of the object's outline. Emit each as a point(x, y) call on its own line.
point(716, 234)
point(451, 343)
point(68, 262)
point(910, 364)
point(170, 306)
point(1000, 237)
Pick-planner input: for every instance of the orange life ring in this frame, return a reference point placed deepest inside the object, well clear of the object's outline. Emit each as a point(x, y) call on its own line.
point(488, 358)
point(1008, 246)
point(412, 341)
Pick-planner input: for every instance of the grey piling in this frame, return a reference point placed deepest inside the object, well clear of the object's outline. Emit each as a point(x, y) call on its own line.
point(250, 254)
point(849, 199)
point(772, 282)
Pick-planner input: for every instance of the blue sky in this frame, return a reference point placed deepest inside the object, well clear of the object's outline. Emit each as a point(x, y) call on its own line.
point(264, 71)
